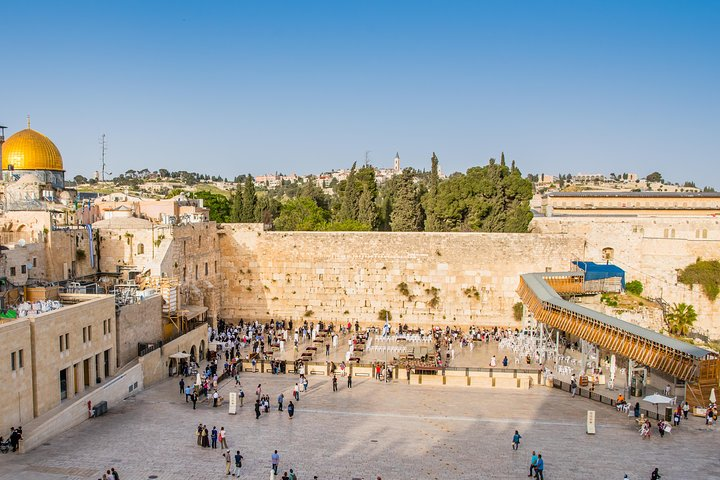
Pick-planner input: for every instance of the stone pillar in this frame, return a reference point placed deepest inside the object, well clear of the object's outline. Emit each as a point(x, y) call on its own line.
point(92, 371)
point(71, 381)
point(100, 366)
point(80, 374)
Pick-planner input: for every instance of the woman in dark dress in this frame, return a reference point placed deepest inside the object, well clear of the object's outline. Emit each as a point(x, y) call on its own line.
point(291, 409)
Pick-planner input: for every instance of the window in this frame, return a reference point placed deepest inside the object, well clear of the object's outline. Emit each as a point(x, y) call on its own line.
point(34, 262)
point(140, 249)
point(89, 333)
point(104, 327)
point(23, 268)
point(20, 358)
point(184, 273)
point(199, 240)
point(196, 272)
point(12, 271)
point(206, 269)
point(12, 361)
point(215, 266)
point(84, 334)
point(704, 233)
point(61, 343)
point(67, 341)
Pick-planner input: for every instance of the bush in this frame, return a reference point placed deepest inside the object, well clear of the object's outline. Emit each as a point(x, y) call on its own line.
point(705, 273)
point(518, 311)
point(634, 287)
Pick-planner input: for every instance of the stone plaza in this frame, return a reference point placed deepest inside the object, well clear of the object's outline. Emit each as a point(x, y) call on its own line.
point(391, 430)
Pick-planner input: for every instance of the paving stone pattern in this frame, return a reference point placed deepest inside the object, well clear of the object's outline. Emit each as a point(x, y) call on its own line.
point(396, 431)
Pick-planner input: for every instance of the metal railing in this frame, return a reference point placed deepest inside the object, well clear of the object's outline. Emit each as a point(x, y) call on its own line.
point(587, 393)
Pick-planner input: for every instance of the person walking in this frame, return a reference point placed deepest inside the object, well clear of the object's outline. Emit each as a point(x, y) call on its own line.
point(228, 461)
point(291, 409)
point(685, 409)
point(539, 468)
point(334, 383)
point(516, 440)
point(215, 397)
point(349, 381)
point(193, 398)
point(655, 475)
point(187, 393)
point(291, 475)
point(223, 438)
point(238, 463)
point(533, 463)
point(241, 394)
point(199, 434)
point(275, 458)
point(213, 436)
point(182, 386)
point(296, 392)
point(573, 386)
point(258, 391)
point(281, 399)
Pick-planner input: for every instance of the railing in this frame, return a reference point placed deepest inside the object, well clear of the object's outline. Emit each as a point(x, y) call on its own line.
point(586, 393)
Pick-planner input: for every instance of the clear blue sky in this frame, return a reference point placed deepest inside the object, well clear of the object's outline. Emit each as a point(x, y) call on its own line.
point(234, 87)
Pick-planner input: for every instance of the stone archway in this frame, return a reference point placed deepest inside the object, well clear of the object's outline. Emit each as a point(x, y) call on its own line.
point(193, 356)
point(202, 350)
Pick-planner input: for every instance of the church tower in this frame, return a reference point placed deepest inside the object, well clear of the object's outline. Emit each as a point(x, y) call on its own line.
point(396, 163)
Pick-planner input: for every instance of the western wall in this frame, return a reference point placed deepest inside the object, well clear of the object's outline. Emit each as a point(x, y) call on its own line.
point(420, 278)
point(449, 278)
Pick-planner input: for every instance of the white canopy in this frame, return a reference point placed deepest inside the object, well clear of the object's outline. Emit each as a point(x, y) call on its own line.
point(180, 355)
point(656, 398)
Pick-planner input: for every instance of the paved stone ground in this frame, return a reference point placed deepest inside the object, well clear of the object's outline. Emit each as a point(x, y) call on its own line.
point(394, 430)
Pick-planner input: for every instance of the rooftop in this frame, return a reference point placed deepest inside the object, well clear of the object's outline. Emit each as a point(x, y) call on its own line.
point(635, 194)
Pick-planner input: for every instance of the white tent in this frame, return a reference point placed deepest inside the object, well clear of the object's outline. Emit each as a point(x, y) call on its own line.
point(180, 355)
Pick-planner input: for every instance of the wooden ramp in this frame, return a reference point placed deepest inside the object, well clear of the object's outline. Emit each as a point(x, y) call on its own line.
point(698, 367)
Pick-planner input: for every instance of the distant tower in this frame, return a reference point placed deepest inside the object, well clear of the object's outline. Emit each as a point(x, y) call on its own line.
point(2, 138)
point(396, 163)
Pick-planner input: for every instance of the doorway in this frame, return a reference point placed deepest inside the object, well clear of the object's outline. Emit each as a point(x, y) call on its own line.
point(86, 371)
point(63, 384)
point(107, 363)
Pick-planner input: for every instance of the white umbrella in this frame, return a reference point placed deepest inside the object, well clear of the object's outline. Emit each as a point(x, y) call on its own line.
point(613, 369)
point(657, 399)
point(712, 396)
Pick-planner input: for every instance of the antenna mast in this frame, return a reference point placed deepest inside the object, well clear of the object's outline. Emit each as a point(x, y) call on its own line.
point(103, 145)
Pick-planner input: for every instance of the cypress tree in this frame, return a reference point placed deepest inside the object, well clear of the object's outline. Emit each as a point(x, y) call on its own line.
point(237, 206)
point(249, 199)
point(407, 214)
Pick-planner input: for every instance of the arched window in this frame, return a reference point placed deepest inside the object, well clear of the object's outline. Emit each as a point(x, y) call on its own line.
point(140, 249)
point(608, 253)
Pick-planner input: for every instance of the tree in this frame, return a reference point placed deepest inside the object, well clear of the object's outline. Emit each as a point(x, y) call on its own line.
point(79, 179)
point(301, 214)
point(635, 287)
point(247, 213)
point(431, 220)
point(367, 211)
point(266, 209)
point(708, 189)
point(218, 205)
point(236, 210)
point(654, 177)
point(349, 199)
point(163, 173)
point(407, 213)
point(492, 198)
point(680, 319)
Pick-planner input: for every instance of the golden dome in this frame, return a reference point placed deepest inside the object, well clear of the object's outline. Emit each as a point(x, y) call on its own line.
point(31, 150)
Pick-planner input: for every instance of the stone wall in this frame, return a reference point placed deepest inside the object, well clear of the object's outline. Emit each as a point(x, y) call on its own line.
point(651, 250)
point(49, 360)
point(138, 323)
point(40, 430)
point(16, 395)
point(449, 278)
point(156, 364)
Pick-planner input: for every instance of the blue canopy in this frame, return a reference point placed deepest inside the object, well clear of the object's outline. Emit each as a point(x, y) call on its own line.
point(599, 271)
